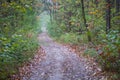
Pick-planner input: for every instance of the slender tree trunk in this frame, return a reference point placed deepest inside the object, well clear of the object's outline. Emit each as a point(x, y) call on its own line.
point(117, 6)
point(84, 18)
point(108, 15)
point(9, 1)
point(83, 13)
point(51, 19)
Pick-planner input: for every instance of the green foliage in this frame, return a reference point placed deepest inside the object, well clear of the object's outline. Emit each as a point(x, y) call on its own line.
point(18, 33)
point(110, 57)
point(90, 52)
point(15, 50)
point(69, 38)
point(54, 30)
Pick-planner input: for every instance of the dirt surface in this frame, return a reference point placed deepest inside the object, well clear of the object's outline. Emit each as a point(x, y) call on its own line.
point(58, 62)
point(55, 61)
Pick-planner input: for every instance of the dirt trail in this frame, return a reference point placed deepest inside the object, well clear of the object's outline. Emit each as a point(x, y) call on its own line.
point(59, 63)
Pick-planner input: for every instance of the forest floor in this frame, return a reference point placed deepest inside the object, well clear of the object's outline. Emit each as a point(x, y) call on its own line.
point(55, 61)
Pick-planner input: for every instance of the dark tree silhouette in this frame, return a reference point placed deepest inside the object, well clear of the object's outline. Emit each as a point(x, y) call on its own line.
point(108, 15)
point(117, 6)
point(84, 18)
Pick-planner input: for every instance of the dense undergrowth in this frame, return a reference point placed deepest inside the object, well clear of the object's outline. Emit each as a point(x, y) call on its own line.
point(18, 35)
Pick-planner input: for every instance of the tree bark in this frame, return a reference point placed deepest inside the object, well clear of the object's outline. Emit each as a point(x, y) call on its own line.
point(84, 19)
point(117, 6)
point(83, 13)
point(108, 15)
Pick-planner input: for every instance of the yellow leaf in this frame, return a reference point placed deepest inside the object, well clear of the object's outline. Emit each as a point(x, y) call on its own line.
point(72, 23)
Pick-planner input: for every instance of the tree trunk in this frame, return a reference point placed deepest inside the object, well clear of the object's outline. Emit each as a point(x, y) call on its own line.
point(96, 2)
point(108, 15)
point(117, 6)
point(9, 1)
point(83, 13)
point(84, 18)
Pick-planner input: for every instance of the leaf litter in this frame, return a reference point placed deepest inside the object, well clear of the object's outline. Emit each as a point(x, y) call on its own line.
point(55, 61)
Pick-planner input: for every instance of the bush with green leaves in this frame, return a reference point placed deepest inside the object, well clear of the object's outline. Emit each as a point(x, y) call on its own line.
point(110, 59)
point(90, 52)
point(69, 38)
point(18, 35)
point(54, 30)
point(15, 50)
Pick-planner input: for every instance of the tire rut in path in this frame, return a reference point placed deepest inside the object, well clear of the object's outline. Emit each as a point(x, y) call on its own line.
point(59, 63)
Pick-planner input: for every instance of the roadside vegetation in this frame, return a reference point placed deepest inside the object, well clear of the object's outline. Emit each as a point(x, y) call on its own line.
point(19, 26)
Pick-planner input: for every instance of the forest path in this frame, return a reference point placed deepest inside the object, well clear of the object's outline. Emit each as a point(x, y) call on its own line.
point(58, 63)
